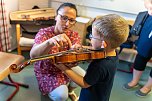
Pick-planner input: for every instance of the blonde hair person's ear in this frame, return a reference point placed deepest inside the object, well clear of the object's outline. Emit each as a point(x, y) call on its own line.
point(103, 44)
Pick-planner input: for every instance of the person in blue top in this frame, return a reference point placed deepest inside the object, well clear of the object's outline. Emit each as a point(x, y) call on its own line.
point(144, 49)
point(108, 31)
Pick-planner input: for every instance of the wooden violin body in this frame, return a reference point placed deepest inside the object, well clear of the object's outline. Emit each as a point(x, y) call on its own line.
point(68, 58)
point(62, 57)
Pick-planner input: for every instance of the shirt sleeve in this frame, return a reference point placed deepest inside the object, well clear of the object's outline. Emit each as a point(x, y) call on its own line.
point(40, 37)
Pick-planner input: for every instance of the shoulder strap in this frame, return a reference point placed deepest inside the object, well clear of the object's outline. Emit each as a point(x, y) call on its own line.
point(138, 24)
point(144, 19)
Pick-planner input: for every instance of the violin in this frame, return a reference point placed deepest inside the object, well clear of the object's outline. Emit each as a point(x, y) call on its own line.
point(63, 57)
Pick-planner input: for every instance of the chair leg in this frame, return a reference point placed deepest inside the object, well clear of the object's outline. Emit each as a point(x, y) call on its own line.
point(14, 92)
point(15, 84)
point(19, 84)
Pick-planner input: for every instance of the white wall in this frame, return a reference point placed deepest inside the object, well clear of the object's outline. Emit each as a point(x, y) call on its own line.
point(12, 5)
point(92, 11)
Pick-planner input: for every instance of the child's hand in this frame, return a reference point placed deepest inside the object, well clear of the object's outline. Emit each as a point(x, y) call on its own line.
point(70, 65)
point(62, 67)
point(65, 66)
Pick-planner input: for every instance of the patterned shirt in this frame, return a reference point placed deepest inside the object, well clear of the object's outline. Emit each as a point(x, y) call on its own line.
point(48, 76)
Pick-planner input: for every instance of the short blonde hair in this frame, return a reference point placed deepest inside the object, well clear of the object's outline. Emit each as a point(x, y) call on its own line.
point(114, 28)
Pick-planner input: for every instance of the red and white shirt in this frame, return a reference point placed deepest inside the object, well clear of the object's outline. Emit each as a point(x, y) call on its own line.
point(48, 76)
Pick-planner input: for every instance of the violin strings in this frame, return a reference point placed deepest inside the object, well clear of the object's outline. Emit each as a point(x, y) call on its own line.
point(73, 51)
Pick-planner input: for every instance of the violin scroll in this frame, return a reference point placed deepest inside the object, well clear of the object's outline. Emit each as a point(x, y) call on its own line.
point(15, 68)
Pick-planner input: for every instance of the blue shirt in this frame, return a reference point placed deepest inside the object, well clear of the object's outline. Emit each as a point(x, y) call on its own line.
point(144, 46)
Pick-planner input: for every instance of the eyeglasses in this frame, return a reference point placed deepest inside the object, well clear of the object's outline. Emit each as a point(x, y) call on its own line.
point(65, 19)
point(91, 37)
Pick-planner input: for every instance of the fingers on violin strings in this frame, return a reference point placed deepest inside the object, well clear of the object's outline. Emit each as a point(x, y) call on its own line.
point(63, 39)
point(55, 43)
point(77, 46)
point(59, 41)
point(68, 40)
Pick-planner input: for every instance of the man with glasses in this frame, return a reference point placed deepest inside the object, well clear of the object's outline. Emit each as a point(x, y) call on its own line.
point(58, 38)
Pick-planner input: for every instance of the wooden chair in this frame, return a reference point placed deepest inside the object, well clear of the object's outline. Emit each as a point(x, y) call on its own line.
point(32, 19)
point(19, 47)
point(6, 60)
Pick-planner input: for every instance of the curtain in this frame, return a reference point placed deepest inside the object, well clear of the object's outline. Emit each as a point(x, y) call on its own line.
point(5, 44)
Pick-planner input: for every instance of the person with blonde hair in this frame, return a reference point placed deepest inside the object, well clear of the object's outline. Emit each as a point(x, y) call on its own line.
point(108, 33)
point(144, 49)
